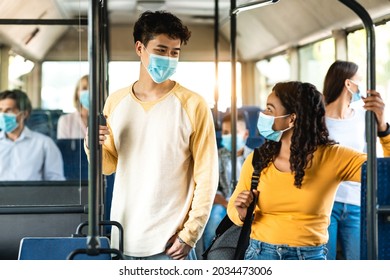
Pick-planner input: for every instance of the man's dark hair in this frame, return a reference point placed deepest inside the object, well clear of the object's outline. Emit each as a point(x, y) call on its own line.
point(21, 99)
point(151, 24)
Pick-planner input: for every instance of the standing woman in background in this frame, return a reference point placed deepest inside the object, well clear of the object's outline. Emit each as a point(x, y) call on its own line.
point(74, 125)
point(346, 125)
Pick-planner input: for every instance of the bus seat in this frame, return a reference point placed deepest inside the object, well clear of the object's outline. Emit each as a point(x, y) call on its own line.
point(252, 116)
point(58, 248)
point(40, 121)
point(74, 157)
point(218, 134)
point(55, 115)
point(76, 167)
point(252, 113)
point(255, 141)
point(383, 210)
point(108, 195)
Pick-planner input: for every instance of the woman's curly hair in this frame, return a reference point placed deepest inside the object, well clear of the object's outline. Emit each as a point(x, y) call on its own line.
point(310, 131)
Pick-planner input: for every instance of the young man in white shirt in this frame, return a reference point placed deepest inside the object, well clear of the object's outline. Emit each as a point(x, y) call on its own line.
point(160, 142)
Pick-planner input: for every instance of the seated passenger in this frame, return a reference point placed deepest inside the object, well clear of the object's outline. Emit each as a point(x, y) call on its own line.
point(74, 125)
point(25, 154)
point(225, 187)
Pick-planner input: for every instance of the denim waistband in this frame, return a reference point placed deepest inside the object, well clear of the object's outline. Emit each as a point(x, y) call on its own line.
point(256, 244)
point(259, 250)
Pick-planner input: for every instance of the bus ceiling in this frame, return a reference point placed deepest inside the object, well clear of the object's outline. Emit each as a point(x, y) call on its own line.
point(284, 25)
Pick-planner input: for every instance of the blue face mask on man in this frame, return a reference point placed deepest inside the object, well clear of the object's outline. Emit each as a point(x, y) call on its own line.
point(264, 125)
point(161, 68)
point(356, 96)
point(226, 142)
point(8, 122)
point(84, 99)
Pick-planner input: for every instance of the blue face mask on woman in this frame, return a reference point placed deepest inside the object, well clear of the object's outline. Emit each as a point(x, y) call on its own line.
point(356, 96)
point(264, 125)
point(161, 68)
point(84, 99)
point(8, 122)
point(226, 142)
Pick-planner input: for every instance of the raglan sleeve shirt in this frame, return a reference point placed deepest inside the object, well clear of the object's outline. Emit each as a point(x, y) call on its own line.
point(161, 135)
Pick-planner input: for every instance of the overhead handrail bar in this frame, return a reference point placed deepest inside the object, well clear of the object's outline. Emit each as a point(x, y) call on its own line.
point(252, 5)
point(11, 21)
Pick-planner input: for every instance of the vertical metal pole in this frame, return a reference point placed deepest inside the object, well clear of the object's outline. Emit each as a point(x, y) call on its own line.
point(93, 130)
point(371, 133)
point(216, 61)
point(233, 107)
point(105, 89)
point(105, 52)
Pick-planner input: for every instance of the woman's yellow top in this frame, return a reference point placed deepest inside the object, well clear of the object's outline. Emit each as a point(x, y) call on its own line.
point(285, 214)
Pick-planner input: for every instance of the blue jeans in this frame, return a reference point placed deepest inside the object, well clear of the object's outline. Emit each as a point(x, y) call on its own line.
point(344, 229)
point(258, 250)
point(218, 212)
point(161, 256)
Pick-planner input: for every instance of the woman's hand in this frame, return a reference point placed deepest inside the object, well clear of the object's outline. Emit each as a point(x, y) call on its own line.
point(242, 202)
point(373, 102)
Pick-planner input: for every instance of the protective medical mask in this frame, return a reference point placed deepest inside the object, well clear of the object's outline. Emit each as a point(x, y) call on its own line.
point(84, 99)
point(226, 142)
point(161, 68)
point(264, 125)
point(8, 122)
point(356, 96)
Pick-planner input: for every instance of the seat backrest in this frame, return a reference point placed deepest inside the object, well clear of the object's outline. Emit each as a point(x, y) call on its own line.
point(383, 195)
point(255, 141)
point(39, 208)
point(40, 121)
point(76, 167)
point(58, 248)
point(252, 115)
point(74, 157)
point(55, 115)
point(110, 179)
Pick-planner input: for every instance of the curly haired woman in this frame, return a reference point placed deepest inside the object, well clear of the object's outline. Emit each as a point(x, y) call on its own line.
point(301, 169)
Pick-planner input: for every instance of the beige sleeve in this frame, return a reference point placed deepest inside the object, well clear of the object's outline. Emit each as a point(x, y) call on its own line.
point(205, 155)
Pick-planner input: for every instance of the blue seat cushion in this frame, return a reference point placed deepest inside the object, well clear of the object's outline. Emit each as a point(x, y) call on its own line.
point(58, 248)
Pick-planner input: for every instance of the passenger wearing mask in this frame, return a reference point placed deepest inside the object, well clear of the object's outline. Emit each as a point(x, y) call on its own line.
point(74, 125)
point(301, 168)
point(160, 142)
point(225, 187)
point(345, 119)
point(25, 155)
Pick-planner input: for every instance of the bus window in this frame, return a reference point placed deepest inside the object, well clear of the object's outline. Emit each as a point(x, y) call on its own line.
point(314, 61)
point(357, 54)
point(271, 71)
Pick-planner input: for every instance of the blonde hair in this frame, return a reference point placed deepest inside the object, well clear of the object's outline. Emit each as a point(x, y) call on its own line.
point(76, 98)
